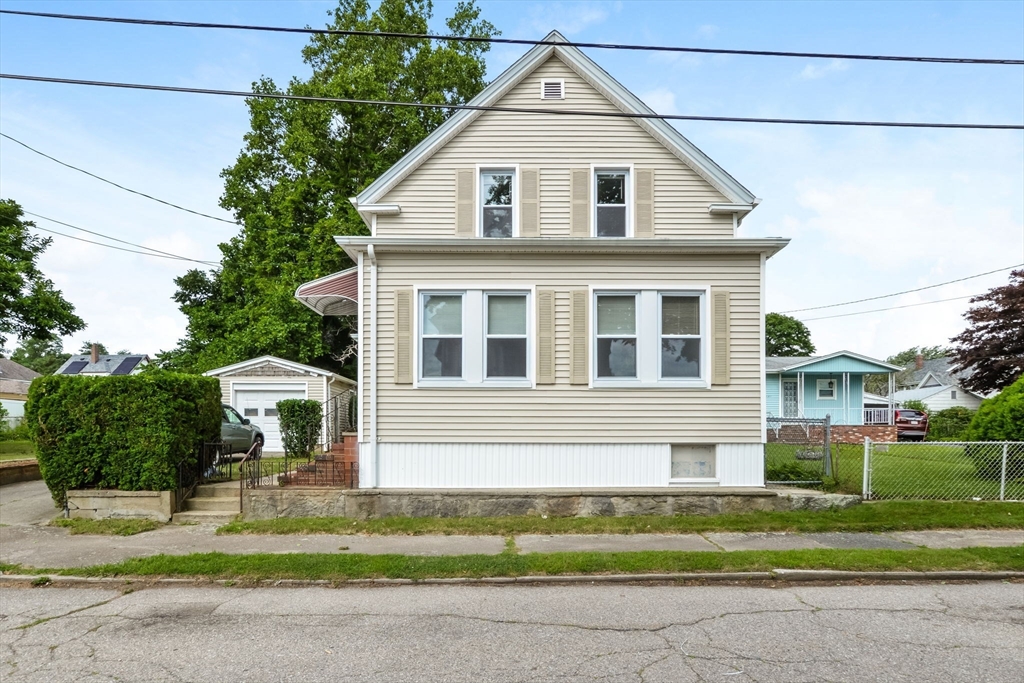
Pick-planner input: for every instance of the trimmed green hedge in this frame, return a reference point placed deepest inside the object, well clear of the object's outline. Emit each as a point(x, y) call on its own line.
point(301, 422)
point(127, 433)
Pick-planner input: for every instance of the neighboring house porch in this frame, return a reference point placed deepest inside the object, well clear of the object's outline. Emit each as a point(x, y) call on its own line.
point(833, 385)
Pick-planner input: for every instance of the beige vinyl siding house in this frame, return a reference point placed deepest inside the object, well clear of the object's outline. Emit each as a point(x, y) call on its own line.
point(555, 300)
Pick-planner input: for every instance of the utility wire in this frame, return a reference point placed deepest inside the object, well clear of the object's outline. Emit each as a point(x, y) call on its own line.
point(111, 182)
point(513, 41)
point(512, 110)
point(909, 291)
point(151, 252)
point(890, 308)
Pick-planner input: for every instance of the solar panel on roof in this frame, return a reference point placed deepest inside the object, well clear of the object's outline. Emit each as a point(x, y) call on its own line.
point(127, 365)
point(75, 367)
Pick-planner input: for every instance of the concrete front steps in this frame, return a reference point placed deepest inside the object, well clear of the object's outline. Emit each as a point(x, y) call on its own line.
point(211, 504)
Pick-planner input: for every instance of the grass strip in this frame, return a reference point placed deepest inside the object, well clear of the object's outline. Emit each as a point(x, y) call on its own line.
point(107, 527)
point(342, 567)
point(880, 516)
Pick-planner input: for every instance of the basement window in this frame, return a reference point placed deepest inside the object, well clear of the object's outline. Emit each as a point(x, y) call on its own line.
point(693, 463)
point(553, 89)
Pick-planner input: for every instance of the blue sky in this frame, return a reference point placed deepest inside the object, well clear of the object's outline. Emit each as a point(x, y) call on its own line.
point(870, 211)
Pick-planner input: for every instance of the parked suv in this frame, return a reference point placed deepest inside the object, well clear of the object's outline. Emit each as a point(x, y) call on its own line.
point(911, 425)
point(237, 432)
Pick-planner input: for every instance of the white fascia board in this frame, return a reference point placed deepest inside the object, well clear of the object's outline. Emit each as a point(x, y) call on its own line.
point(593, 245)
point(730, 208)
point(850, 354)
point(455, 123)
point(281, 362)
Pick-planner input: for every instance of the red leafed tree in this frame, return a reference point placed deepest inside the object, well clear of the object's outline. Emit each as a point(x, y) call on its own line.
point(991, 350)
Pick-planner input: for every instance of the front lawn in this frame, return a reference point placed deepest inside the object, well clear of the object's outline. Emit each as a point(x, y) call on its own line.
point(338, 567)
point(879, 516)
point(17, 450)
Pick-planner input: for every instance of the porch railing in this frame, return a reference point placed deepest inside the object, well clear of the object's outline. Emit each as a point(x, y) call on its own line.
point(839, 416)
point(340, 413)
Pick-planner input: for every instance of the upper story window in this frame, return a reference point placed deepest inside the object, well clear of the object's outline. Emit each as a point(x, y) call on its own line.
point(497, 191)
point(611, 196)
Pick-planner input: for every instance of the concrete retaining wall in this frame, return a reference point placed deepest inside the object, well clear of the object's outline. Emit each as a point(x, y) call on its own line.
point(107, 504)
point(19, 470)
point(271, 503)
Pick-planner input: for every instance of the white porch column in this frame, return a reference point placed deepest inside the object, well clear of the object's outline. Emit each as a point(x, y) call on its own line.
point(799, 394)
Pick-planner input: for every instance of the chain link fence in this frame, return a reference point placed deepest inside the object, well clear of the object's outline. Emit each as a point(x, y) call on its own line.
point(797, 452)
point(942, 471)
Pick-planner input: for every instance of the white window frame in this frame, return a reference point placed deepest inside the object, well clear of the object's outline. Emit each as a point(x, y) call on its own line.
point(696, 481)
point(818, 384)
point(952, 394)
point(496, 167)
point(474, 336)
point(649, 336)
point(636, 336)
point(626, 168)
point(661, 332)
point(488, 336)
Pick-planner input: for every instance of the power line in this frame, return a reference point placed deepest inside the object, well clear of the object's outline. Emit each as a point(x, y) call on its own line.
point(513, 41)
point(151, 252)
point(909, 291)
point(111, 182)
point(511, 110)
point(890, 308)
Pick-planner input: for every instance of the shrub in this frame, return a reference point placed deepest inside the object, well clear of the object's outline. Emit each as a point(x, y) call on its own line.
point(301, 422)
point(1000, 418)
point(127, 432)
point(914, 405)
point(951, 423)
point(17, 433)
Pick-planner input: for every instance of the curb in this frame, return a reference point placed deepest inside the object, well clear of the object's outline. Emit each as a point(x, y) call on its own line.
point(783, 575)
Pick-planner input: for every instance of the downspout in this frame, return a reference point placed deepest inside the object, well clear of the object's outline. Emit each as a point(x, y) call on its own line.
point(372, 483)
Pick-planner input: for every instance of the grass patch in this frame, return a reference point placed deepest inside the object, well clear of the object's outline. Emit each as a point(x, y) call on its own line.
point(880, 516)
point(107, 527)
point(342, 567)
point(17, 450)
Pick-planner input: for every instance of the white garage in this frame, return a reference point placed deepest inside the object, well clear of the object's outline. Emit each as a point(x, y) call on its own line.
point(254, 387)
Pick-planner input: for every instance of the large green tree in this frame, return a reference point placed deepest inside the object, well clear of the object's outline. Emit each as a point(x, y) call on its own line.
point(30, 306)
point(42, 355)
point(786, 336)
point(300, 163)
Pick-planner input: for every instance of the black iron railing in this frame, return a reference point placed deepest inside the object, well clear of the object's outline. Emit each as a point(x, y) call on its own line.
point(340, 412)
point(212, 462)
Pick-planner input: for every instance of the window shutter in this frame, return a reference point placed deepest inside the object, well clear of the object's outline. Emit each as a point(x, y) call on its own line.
point(545, 336)
point(644, 217)
point(579, 370)
point(721, 339)
point(403, 336)
point(529, 203)
point(579, 199)
point(465, 225)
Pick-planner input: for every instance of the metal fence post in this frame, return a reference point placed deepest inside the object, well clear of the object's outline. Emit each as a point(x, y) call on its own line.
point(827, 450)
point(866, 486)
point(1002, 474)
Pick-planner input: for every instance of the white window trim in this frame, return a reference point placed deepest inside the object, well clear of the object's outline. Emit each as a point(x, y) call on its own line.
point(487, 294)
point(560, 81)
point(474, 339)
point(478, 199)
point(649, 338)
point(702, 322)
point(630, 193)
point(696, 481)
point(818, 384)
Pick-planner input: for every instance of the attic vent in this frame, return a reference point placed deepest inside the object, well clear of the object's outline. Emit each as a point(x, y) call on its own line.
point(552, 90)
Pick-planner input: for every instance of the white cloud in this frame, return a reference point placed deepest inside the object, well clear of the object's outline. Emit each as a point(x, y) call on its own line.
point(568, 18)
point(815, 71)
point(661, 100)
point(708, 31)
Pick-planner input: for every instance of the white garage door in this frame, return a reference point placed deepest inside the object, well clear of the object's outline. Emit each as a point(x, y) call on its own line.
point(260, 406)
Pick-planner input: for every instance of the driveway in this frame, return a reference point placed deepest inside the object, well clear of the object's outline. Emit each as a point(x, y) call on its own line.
point(26, 503)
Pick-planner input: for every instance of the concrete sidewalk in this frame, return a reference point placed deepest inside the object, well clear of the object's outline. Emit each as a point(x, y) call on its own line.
point(27, 541)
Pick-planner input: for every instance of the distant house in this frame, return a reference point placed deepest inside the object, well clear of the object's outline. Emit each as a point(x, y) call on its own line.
point(935, 384)
point(102, 365)
point(14, 382)
point(833, 385)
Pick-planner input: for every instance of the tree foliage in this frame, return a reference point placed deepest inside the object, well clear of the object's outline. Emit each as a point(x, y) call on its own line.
point(989, 354)
point(879, 384)
point(42, 355)
point(301, 421)
point(1000, 418)
point(786, 336)
point(30, 306)
point(300, 164)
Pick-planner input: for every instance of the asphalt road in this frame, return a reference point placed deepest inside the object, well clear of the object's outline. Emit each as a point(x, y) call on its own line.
point(640, 634)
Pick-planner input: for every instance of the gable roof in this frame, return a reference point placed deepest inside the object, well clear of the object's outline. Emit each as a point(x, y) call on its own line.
point(597, 77)
point(941, 369)
point(11, 370)
point(918, 394)
point(279, 362)
point(776, 364)
point(118, 364)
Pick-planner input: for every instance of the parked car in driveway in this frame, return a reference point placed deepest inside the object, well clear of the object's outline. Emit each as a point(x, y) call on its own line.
point(238, 432)
point(911, 425)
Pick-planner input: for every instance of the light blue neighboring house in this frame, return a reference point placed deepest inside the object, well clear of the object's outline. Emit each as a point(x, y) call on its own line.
point(816, 386)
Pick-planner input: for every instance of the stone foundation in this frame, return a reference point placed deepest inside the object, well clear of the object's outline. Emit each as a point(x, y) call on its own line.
point(107, 504)
point(271, 503)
